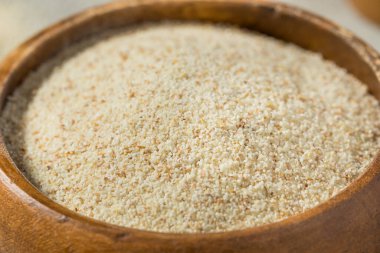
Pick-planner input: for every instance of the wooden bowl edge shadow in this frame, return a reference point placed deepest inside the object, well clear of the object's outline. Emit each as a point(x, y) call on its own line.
point(317, 34)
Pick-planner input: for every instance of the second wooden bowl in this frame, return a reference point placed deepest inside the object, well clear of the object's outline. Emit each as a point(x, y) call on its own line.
point(349, 222)
point(369, 8)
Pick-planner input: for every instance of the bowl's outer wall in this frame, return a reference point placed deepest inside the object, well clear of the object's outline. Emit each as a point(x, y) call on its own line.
point(350, 222)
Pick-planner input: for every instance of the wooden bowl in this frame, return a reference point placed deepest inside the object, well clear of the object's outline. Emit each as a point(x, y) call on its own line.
point(349, 222)
point(369, 8)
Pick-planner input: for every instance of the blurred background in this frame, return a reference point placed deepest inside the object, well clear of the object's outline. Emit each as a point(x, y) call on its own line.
point(20, 19)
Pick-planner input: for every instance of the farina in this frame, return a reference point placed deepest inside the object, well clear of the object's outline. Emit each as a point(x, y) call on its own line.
point(190, 128)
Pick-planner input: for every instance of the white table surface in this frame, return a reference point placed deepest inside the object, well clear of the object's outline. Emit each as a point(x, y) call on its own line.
point(20, 19)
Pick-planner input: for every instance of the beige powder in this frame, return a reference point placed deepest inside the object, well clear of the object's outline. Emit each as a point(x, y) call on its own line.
point(189, 127)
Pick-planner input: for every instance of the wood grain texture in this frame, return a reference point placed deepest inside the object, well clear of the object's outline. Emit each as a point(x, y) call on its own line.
point(349, 222)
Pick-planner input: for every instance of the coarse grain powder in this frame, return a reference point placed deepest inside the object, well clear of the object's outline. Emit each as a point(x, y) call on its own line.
point(190, 128)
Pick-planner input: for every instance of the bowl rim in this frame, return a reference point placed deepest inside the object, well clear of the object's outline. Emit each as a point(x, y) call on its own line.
point(12, 177)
